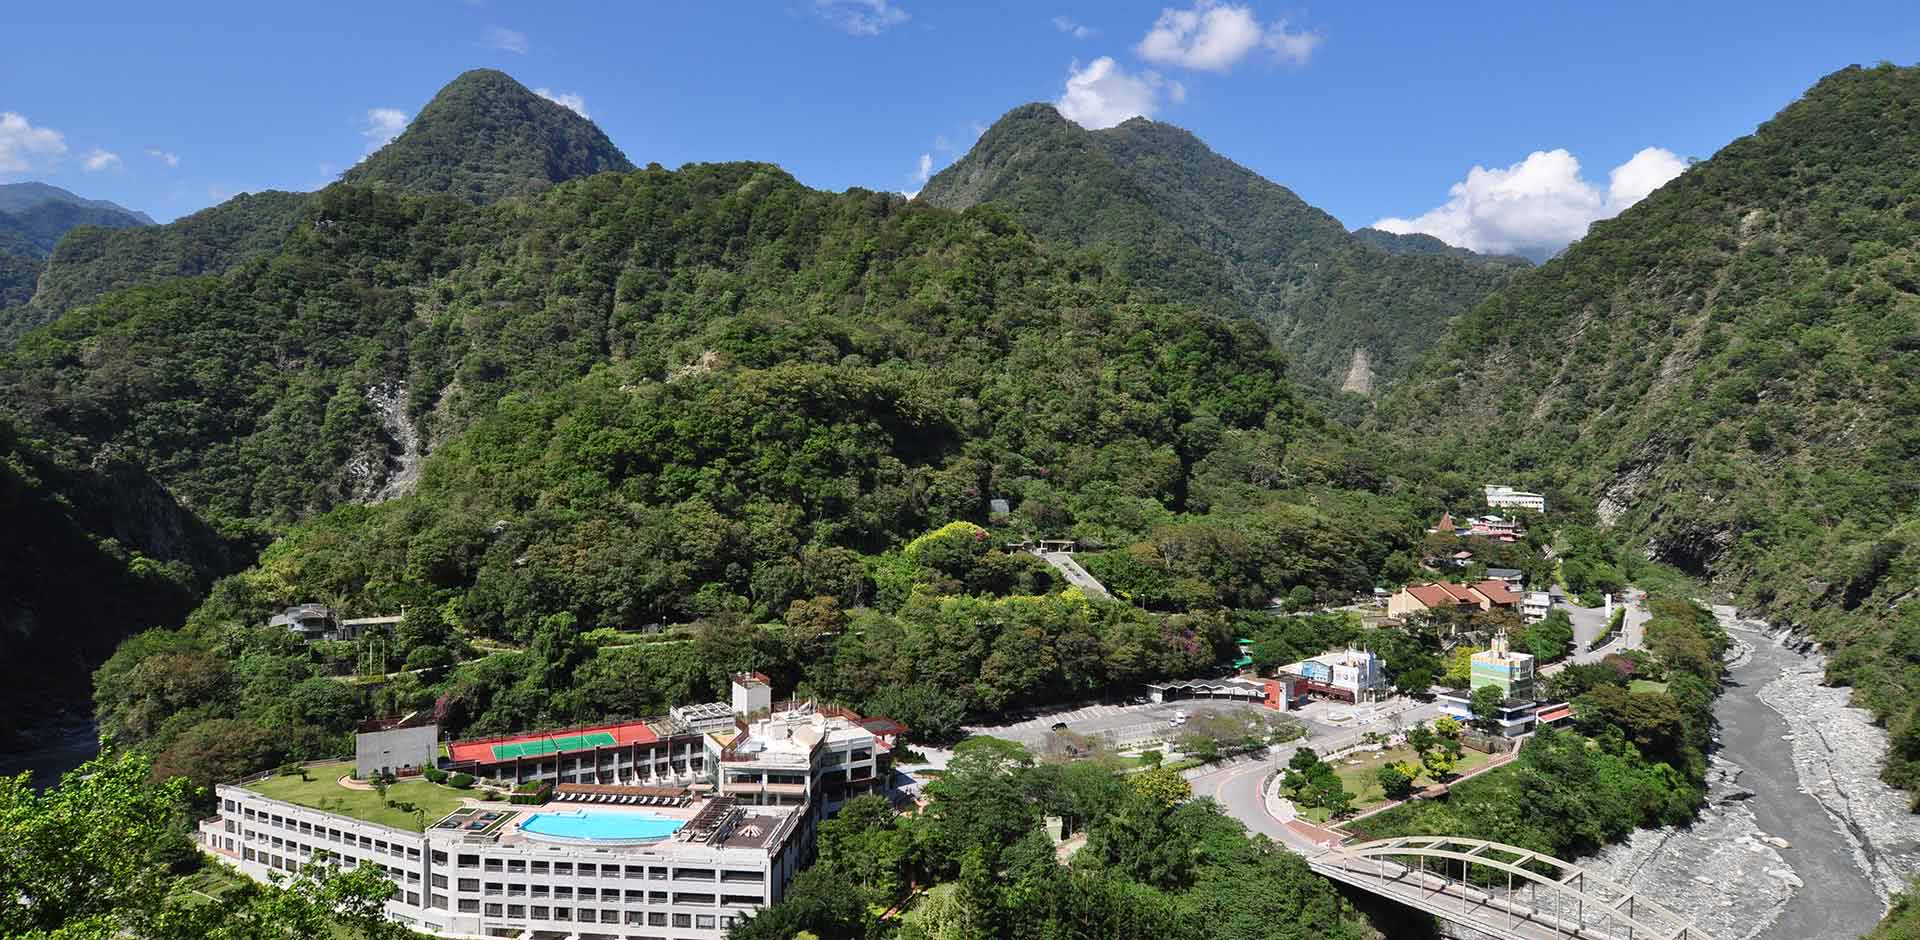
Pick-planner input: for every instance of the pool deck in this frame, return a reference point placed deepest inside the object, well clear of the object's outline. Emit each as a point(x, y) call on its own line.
point(510, 834)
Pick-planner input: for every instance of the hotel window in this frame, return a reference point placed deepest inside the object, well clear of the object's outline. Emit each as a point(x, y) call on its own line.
point(563, 913)
point(469, 884)
point(439, 881)
point(440, 901)
point(413, 898)
point(703, 921)
point(636, 897)
point(539, 868)
point(683, 920)
point(228, 805)
point(439, 858)
point(539, 891)
point(516, 866)
point(609, 916)
point(517, 911)
point(469, 906)
point(494, 910)
point(657, 871)
point(469, 861)
point(563, 891)
point(656, 919)
point(587, 870)
point(657, 897)
point(540, 912)
point(563, 868)
point(682, 897)
point(587, 915)
point(635, 918)
point(588, 894)
point(636, 871)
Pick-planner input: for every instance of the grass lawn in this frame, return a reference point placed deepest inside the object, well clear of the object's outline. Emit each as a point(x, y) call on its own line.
point(324, 792)
point(1646, 685)
point(1361, 777)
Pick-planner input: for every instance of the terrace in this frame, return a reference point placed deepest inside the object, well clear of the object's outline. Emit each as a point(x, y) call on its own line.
point(321, 789)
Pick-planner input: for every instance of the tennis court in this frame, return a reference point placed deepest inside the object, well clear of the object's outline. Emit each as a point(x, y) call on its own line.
point(538, 746)
point(534, 745)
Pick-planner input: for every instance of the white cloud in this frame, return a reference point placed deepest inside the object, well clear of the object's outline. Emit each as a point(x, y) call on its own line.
point(383, 124)
point(167, 157)
point(1537, 206)
point(925, 171)
point(1077, 30)
point(505, 40)
point(24, 147)
point(860, 17)
point(1292, 48)
point(571, 100)
point(97, 160)
point(1645, 172)
point(1104, 94)
point(1213, 37)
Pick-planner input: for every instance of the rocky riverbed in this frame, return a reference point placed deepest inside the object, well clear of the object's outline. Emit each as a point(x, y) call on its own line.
point(1800, 839)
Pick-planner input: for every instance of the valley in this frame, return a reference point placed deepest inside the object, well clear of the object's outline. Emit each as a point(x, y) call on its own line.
point(1100, 540)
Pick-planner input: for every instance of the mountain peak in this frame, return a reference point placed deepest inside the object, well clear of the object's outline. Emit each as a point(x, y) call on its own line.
point(485, 137)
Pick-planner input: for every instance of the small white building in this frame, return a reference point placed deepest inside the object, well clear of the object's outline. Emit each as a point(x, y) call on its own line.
point(1506, 497)
point(1535, 605)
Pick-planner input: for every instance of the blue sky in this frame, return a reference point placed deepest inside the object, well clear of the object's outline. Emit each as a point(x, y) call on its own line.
point(1368, 110)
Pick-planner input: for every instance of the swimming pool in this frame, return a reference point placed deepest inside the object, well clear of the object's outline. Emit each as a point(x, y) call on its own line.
point(602, 827)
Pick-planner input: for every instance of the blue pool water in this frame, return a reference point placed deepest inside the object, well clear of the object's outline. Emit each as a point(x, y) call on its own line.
point(626, 827)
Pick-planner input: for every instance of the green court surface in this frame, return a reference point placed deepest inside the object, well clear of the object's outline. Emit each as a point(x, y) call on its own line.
point(573, 742)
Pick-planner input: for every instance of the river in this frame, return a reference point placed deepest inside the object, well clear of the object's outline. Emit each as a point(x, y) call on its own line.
point(68, 749)
point(1800, 839)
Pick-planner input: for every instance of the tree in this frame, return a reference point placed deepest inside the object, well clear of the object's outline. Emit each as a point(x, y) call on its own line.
point(1487, 703)
point(1439, 763)
point(1163, 785)
point(1394, 781)
point(1552, 638)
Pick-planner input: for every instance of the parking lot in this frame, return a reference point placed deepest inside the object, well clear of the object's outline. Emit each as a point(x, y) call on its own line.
point(1129, 725)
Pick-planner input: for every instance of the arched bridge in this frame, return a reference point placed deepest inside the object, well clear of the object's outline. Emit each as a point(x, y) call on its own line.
point(1501, 890)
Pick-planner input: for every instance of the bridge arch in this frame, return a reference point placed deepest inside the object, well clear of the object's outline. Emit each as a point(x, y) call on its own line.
point(1416, 870)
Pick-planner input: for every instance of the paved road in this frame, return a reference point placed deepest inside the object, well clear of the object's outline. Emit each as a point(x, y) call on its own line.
point(1590, 624)
point(1238, 788)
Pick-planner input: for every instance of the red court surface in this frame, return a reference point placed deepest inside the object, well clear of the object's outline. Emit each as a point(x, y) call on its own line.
point(481, 750)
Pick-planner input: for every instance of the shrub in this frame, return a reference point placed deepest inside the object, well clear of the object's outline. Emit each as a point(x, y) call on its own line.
point(460, 781)
point(434, 774)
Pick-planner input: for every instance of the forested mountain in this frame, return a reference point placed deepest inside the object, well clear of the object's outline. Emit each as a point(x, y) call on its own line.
point(1729, 372)
point(33, 217)
point(485, 137)
point(1170, 213)
point(90, 262)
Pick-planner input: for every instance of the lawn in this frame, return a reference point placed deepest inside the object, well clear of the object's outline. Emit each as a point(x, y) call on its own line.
point(324, 792)
point(1359, 773)
point(1646, 685)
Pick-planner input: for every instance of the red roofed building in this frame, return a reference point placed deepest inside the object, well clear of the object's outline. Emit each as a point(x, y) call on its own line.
point(1443, 595)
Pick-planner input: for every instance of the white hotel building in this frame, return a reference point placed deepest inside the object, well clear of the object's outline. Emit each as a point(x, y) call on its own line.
point(485, 872)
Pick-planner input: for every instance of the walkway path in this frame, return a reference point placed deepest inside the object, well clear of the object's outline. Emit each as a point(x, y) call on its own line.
point(1076, 575)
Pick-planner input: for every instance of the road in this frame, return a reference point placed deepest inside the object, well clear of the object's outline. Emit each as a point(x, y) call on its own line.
point(1238, 788)
point(1590, 624)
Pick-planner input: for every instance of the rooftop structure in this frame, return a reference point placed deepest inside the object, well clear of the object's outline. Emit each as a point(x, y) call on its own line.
point(1506, 497)
point(1349, 675)
point(554, 741)
point(1514, 577)
point(800, 753)
point(1283, 692)
point(752, 694)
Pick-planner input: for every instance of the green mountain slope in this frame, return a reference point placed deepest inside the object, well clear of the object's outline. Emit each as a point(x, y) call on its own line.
point(91, 262)
point(1730, 373)
point(1155, 202)
point(484, 137)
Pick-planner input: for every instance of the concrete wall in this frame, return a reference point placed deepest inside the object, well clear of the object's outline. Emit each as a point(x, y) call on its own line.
point(393, 750)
